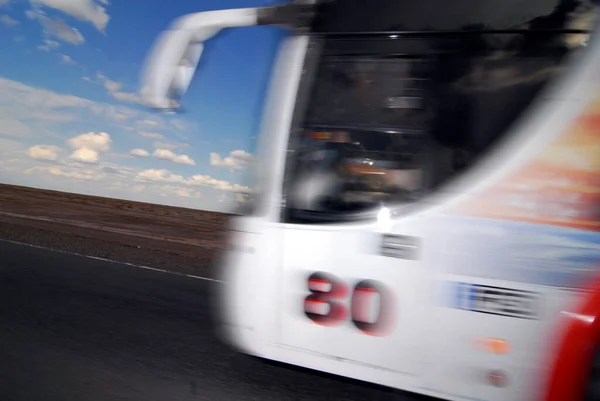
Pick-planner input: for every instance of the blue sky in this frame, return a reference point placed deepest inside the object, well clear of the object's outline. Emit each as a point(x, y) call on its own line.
point(70, 118)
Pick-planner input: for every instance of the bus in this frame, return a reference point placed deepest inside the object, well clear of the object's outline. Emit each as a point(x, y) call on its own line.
point(426, 214)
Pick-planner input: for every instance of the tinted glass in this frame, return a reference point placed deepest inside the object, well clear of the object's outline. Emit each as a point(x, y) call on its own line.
point(444, 15)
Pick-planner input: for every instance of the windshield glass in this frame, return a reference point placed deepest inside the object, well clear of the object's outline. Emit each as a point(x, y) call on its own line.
point(352, 169)
point(388, 119)
point(371, 91)
point(440, 15)
point(364, 139)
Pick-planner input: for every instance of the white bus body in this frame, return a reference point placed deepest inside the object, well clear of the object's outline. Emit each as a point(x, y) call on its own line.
point(483, 287)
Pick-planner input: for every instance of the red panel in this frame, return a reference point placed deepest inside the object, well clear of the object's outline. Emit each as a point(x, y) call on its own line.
point(570, 366)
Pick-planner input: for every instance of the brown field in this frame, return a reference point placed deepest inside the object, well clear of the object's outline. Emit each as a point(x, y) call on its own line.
point(178, 239)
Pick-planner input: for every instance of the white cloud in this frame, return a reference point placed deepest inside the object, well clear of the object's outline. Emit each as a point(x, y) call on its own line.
point(179, 124)
point(88, 146)
point(236, 160)
point(84, 10)
point(165, 176)
point(115, 112)
point(183, 192)
point(26, 100)
point(8, 21)
point(27, 111)
point(219, 184)
point(161, 175)
point(43, 152)
point(57, 27)
point(166, 154)
point(113, 88)
point(42, 110)
point(85, 155)
point(82, 174)
point(10, 145)
point(153, 185)
point(98, 142)
point(152, 135)
point(67, 59)
point(63, 31)
point(44, 116)
point(139, 152)
point(14, 128)
point(171, 145)
point(127, 96)
point(48, 45)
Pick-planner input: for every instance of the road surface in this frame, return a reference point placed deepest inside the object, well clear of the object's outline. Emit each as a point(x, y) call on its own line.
point(74, 328)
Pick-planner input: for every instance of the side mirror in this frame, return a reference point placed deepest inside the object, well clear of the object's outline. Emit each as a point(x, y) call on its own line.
point(173, 60)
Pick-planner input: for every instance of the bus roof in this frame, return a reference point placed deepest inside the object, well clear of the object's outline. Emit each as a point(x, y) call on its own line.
point(357, 16)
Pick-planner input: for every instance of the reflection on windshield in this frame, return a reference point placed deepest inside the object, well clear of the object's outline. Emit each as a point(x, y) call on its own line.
point(390, 118)
point(355, 169)
point(370, 91)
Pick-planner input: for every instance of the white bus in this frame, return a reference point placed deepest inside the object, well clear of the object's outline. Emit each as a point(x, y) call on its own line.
point(427, 213)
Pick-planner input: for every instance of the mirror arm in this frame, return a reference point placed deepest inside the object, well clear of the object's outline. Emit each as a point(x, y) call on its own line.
point(174, 57)
point(298, 15)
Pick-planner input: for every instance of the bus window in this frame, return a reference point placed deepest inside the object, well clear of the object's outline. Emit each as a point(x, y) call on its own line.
point(368, 16)
point(365, 168)
point(415, 109)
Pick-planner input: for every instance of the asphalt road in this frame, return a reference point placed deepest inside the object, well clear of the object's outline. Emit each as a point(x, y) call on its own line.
point(74, 328)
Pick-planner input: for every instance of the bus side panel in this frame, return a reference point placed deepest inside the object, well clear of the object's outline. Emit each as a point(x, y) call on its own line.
point(504, 281)
point(537, 231)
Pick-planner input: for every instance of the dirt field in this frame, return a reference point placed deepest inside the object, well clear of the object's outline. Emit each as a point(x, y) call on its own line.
point(177, 239)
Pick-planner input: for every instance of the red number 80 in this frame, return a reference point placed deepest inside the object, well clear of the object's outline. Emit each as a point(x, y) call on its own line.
point(371, 307)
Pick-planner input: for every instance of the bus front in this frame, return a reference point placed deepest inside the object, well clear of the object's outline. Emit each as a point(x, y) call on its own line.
point(408, 226)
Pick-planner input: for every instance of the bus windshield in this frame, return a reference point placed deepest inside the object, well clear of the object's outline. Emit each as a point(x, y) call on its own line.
point(337, 16)
point(389, 117)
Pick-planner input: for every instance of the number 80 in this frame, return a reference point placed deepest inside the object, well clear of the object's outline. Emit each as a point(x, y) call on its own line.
point(326, 304)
